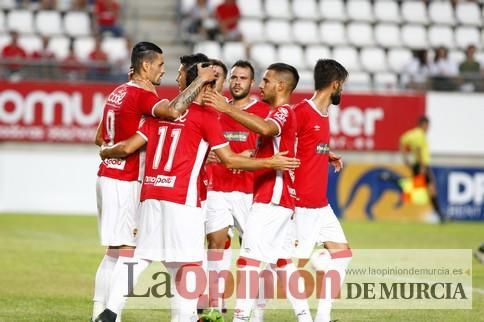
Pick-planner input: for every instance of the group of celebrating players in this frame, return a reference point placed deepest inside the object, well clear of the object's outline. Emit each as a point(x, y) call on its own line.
point(175, 173)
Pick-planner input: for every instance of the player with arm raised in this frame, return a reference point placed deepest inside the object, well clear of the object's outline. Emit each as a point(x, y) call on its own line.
point(274, 194)
point(118, 183)
point(315, 221)
point(171, 228)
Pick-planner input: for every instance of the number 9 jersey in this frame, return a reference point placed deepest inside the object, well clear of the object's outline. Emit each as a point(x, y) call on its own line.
point(176, 151)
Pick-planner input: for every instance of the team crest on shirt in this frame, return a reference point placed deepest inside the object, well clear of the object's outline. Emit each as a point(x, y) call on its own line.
point(322, 148)
point(317, 128)
point(236, 136)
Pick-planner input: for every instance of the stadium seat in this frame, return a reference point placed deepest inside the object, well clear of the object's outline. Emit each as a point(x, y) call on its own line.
point(83, 46)
point(8, 4)
point(4, 40)
point(387, 35)
point(332, 10)
point(59, 45)
point(278, 9)
point(305, 9)
point(456, 56)
point(333, 33)
point(386, 11)
point(441, 36)
point(385, 81)
point(292, 55)
point(77, 23)
point(479, 58)
point(465, 36)
point(359, 10)
point(48, 22)
point(348, 56)
point(251, 8)
point(305, 32)
point(2, 21)
point(313, 53)
point(441, 12)
point(306, 79)
point(360, 34)
point(373, 59)
point(210, 48)
point(414, 36)
point(21, 21)
point(397, 58)
point(263, 55)
point(358, 81)
point(252, 29)
point(414, 12)
point(30, 43)
point(186, 5)
point(233, 51)
point(468, 13)
point(278, 31)
point(116, 48)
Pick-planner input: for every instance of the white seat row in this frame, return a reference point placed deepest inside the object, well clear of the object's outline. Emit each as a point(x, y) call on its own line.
point(410, 11)
point(115, 48)
point(359, 34)
point(46, 22)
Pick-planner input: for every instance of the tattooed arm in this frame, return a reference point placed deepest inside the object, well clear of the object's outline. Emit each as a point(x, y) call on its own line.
point(175, 108)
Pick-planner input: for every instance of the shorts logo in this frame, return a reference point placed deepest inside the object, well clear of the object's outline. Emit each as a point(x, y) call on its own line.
point(117, 164)
point(165, 181)
point(322, 148)
point(236, 136)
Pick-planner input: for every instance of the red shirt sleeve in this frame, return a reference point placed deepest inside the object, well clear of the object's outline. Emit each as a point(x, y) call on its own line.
point(279, 116)
point(144, 127)
point(147, 102)
point(212, 130)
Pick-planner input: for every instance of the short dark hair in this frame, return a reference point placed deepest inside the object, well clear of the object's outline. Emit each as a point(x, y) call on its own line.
point(423, 120)
point(327, 71)
point(143, 51)
point(245, 64)
point(189, 60)
point(218, 62)
point(192, 73)
point(288, 70)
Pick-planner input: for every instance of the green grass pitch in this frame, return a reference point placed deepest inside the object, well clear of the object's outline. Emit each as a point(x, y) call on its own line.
point(48, 265)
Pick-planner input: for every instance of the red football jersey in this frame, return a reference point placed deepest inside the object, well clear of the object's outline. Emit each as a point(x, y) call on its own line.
point(122, 114)
point(240, 139)
point(175, 153)
point(271, 186)
point(311, 180)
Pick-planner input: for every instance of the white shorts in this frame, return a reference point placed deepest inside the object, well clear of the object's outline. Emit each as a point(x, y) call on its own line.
point(315, 226)
point(266, 234)
point(226, 209)
point(117, 204)
point(170, 232)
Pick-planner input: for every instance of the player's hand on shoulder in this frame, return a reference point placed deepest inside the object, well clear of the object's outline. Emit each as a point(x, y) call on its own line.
point(280, 162)
point(216, 100)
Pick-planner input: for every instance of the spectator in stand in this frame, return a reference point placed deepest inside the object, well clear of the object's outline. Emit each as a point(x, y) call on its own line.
point(202, 23)
point(228, 16)
point(107, 13)
point(48, 5)
point(43, 60)
point(443, 71)
point(71, 66)
point(79, 5)
point(415, 74)
point(98, 59)
point(14, 54)
point(470, 65)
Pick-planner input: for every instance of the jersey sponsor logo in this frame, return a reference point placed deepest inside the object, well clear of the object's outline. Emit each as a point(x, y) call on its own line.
point(116, 98)
point(236, 136)
point(281, 115)
point(322, 148)
point(165, 181)
point(117, 164)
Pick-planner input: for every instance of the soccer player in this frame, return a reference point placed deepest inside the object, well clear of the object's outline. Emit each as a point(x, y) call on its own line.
point(186, 62)
point(230, 192)
point(274, 194)
point(171, 226)
point(315, 221)
point(118, 184)
point(414, 142)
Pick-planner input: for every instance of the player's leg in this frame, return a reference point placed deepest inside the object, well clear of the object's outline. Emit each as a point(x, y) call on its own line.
point(117, 207)
point(335, 242)
point(432, 190)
